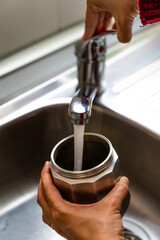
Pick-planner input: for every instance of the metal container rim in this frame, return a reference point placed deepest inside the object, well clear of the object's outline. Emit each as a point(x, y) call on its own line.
point(84, 173)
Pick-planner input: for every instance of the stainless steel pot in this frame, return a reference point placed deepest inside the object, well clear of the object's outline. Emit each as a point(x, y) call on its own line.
point(100, 171)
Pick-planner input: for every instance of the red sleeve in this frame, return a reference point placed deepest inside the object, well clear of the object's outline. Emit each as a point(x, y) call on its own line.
point(149, 11)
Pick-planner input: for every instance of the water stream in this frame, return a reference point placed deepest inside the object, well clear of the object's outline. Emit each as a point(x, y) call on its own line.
point(78, 146)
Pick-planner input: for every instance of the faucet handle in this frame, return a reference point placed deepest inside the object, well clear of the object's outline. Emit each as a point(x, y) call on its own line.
point(91, 56)
point(94, 47)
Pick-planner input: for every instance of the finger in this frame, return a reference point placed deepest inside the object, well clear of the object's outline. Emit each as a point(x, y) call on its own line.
point(51, 224)
point(46, 215)
point(51, 193)
point(114, 26)
point(47, 220)
point(100, 21)
point(107, 21)
point(41, 199)
point(118, 193)
point(124, 29)
point(91, 22)
point(58, 230)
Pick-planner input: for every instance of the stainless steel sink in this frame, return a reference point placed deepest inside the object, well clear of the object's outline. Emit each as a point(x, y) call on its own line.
point(25, 145)
point(32, 123)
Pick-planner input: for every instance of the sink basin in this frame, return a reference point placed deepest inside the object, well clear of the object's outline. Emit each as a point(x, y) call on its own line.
point(25, 145)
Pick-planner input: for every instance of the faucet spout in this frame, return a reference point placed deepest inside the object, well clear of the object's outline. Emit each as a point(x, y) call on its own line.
point(80, 107)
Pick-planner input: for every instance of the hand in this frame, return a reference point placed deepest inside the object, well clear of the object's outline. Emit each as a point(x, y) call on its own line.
point(100, 220)
point(99, 16)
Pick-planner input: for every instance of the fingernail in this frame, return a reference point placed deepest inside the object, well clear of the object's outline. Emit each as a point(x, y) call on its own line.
point(46, 163)
point(124, 179)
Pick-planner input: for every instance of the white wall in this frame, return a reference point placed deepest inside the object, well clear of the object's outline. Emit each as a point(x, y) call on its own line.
point(25, 21)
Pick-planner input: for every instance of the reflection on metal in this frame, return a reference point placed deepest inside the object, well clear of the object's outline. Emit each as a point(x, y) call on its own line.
point(26, 143)
point(138, 95)
point(18, 202)
point(142, 74)
point(62, 85)
point(41, 49)
point(135, 230)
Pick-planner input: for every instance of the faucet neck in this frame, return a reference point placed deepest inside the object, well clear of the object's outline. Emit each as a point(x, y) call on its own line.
point(91, 56)
point(80, 108)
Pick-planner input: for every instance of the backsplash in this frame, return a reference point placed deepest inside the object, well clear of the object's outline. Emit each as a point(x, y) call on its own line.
point(27, 21)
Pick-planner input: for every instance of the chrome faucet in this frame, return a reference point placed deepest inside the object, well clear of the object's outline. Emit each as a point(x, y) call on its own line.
point(91, 55)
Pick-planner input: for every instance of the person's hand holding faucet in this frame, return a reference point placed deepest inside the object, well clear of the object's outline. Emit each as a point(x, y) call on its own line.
point(99, 16)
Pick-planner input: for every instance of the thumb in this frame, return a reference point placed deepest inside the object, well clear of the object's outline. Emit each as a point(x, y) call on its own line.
point(116, 196)
point(124, 29)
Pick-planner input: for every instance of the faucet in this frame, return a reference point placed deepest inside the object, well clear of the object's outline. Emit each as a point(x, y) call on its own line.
point(91, 55)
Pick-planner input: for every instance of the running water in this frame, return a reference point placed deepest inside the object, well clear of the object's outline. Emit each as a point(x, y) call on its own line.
point(78, 146)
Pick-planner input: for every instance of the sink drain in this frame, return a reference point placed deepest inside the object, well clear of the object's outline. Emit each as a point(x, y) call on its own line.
point(130, 236)
point(134, 231)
